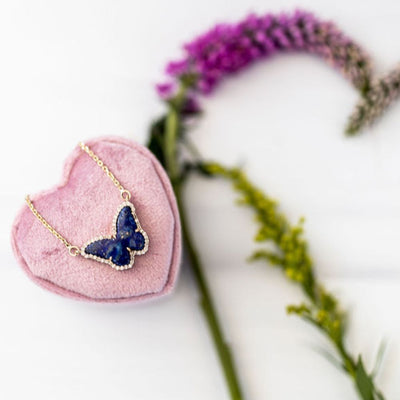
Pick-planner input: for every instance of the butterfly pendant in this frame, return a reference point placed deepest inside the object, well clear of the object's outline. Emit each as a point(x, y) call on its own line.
point(127, 241)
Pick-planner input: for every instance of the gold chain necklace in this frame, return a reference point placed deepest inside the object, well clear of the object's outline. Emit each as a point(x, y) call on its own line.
point(128, 238)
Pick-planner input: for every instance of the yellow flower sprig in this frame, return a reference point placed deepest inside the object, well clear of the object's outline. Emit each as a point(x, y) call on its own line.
point(290, 254)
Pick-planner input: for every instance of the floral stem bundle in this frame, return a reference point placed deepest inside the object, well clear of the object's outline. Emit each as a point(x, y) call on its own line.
point(227, 49)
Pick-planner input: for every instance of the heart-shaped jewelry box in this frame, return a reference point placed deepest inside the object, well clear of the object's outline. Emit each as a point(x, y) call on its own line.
point(83, 206)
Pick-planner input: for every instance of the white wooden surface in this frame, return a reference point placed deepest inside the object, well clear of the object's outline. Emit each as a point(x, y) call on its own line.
point(79, 69)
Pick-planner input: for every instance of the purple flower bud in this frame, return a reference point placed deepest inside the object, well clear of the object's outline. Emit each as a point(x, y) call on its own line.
point(191, 106)
point(166, 90)
point(177, 68)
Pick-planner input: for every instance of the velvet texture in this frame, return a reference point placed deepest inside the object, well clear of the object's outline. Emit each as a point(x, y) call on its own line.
point(82, 207)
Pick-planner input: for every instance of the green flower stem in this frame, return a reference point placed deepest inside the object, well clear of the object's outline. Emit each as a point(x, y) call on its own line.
point(171, 137)
point(172, 128)
point(170, 144)
point(207, 305)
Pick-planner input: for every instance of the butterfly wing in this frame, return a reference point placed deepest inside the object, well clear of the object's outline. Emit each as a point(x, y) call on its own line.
point(110, 249)
point(127, 230)
point(129, 240)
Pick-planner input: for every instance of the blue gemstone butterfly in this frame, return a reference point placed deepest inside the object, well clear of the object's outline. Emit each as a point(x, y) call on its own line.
point(120, 249)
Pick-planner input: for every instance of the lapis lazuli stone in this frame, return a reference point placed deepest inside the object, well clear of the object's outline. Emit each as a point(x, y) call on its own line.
point(110, 249)
point(127, 237)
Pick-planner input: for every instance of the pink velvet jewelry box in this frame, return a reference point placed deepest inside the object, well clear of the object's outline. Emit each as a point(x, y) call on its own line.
point(82, 207)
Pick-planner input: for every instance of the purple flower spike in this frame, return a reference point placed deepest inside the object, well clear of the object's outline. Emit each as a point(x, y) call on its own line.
point(229, 48)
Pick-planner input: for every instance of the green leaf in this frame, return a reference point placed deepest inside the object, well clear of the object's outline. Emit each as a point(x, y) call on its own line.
point(156, 139)
point(379, 396)
point(330, 358)
point(364, 383)
point(379, 358)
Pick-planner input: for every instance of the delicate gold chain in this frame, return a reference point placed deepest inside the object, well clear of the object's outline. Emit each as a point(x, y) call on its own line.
point(73, 250)
point(125, 194)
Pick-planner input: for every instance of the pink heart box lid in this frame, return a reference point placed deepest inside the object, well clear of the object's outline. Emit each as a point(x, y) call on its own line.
point(82, 207)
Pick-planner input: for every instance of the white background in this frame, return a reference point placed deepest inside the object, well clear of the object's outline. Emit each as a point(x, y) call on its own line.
point(80, 69)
